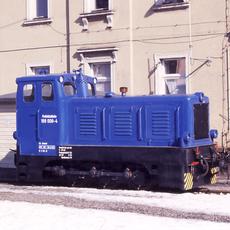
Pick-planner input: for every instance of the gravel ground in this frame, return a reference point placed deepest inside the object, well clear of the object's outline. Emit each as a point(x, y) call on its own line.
point(31, 194)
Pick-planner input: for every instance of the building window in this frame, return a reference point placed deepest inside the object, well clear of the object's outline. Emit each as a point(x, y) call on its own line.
point(37, 9)
point(102, 4)
point(172, 76)
point(97, 10)
point(42, 8)
point(166, 2)
point(37, 12)
point(102, 71)
point(96, 5)
point(40, 70)
point(99, 63)
point(170, 4)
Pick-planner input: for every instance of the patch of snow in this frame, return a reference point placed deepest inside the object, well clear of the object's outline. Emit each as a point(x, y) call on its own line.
point(27, 216)
point(188, 202)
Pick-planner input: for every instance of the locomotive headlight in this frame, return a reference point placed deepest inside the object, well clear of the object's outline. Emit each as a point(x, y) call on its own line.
point(61, 79)
point(95, 80)
point(15, 135)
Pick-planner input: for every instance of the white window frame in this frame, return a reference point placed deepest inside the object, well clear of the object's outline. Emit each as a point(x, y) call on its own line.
point(32, 15)
point(160, 76)
point(102, 60)
point(158, 5)
point(90, 12)
point(90, 6)
point(30, 66)
point(86, 61)
point(106, 61)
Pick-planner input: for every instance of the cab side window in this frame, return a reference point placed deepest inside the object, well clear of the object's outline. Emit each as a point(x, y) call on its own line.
point(47, 91)
point(90, 90)
point(28, 93)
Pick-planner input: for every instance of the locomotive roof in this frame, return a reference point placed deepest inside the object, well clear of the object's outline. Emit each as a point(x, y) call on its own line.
point(49, 77)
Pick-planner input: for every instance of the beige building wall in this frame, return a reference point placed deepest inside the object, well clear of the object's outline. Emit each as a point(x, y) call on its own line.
point(23, 44)
point(134, 36)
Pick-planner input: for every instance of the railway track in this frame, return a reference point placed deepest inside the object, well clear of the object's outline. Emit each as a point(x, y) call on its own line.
point(221, 187)
point(215, 190)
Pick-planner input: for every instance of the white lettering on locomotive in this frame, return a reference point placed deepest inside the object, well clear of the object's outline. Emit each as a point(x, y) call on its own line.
point(49, 119)
point(44, 147)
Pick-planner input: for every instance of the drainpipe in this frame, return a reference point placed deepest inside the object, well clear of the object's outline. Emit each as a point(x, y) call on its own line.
point(227, 60)
point(131, 44)
point(67, 38)
point(227, 76)
point(190, 45)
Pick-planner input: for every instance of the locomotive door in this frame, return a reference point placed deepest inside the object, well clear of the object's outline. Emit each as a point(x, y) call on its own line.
point(48, 120)
point(27, 107)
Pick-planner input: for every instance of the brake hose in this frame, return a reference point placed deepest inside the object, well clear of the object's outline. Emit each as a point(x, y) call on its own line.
point(207, 167)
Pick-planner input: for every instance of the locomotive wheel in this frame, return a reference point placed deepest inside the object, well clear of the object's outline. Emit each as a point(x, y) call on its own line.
point(138, 180)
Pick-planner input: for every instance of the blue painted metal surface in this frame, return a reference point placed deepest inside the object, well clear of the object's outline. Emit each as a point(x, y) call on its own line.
point(83, 119)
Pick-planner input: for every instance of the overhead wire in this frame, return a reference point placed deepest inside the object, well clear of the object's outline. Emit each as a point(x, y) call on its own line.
point(11, 24)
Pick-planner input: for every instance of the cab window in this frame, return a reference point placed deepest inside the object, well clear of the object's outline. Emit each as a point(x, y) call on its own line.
point(69, 89)
point(28, 93)
point(47, 91)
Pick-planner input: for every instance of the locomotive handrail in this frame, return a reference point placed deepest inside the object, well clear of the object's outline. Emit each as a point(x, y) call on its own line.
point(82, 81)
point(177, 123)
point(103, 124)
point(38, 125)
point(140, 137)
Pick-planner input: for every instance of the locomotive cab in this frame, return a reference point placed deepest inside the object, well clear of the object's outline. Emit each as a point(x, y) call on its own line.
point(40, 112)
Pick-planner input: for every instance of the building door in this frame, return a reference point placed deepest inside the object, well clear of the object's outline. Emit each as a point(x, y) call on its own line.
point(7, 142)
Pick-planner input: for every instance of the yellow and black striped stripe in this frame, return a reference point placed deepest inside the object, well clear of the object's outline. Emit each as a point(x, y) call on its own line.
point(188, 181)
point(213, 177)
point(214, 170)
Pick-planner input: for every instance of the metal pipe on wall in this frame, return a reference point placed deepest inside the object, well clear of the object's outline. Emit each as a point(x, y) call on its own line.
point(227, 61)
point(67, 37)
point(227, 79)
point(131, 45)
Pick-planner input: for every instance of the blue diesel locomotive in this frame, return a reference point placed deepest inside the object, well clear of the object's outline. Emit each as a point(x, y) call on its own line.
point(65, 130)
